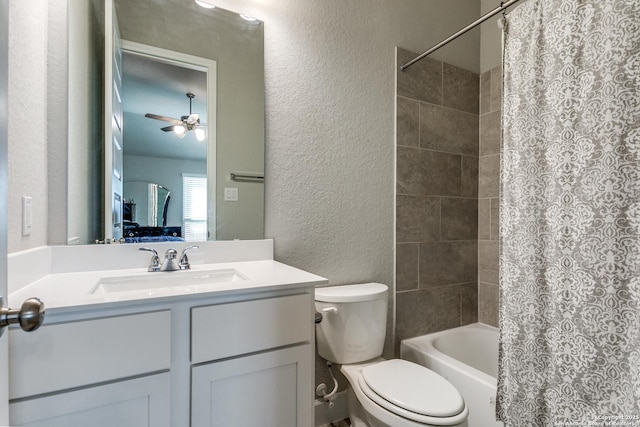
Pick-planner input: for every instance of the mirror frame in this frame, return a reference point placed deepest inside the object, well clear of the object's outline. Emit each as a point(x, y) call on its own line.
point(208, 66)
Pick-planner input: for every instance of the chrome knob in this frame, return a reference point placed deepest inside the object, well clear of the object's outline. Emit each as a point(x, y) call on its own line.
point(30, 316)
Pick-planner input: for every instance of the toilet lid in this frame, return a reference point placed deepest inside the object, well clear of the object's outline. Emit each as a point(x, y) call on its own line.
point(352, 293)
point(414, 388)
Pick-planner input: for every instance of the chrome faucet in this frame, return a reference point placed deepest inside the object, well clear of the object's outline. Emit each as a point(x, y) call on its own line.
point(170, 262)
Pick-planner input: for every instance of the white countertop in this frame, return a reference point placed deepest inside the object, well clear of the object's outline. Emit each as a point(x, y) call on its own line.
point(72, 291)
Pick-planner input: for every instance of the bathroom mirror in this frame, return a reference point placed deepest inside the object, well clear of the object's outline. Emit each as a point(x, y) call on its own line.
point(234, 146)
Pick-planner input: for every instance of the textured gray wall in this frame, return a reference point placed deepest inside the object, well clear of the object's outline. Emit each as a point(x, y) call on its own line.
point(27, 121)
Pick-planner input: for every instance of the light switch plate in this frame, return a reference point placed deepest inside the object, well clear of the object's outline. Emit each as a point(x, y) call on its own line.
point(27, 215)
point(230, 194)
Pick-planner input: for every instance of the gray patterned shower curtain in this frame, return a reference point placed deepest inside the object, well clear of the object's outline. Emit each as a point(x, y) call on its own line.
point(570, 215)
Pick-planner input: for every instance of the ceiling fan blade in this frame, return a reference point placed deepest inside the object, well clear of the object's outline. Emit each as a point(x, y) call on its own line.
point(163, 118)
point(168, 128)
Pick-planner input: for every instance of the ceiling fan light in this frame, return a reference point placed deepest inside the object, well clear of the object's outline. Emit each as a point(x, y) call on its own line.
point(200, 134)
point(179, 130)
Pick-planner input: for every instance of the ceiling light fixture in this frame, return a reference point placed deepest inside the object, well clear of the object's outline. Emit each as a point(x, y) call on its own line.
point(184, 124)
point(200, 134)
point(179, 130)
point(204, 4)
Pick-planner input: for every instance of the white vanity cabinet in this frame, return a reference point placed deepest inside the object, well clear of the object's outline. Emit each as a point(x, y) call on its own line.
point(253, 363)
point(236, 359)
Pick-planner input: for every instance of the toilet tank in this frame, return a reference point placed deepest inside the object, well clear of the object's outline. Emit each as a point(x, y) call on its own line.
point(354, 320)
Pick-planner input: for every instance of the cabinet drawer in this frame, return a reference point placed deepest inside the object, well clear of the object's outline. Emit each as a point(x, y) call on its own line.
point(232, 329)
point(67, 355)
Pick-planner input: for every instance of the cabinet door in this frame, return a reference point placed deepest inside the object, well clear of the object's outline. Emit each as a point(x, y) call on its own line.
point(141, 402)
point(271, 389)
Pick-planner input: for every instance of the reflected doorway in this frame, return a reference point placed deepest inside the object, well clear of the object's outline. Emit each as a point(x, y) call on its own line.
point(165, 137)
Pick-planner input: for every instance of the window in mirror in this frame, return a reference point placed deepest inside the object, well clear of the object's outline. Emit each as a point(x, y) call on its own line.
point(194, 207)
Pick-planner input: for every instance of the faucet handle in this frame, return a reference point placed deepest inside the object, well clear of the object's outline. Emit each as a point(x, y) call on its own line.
point(184, 260)
point(154, 265)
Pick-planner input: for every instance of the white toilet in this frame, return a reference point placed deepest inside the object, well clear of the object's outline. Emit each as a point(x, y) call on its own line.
point(381, 393)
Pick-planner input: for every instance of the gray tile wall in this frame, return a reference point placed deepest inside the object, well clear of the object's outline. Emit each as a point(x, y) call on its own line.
point(488, 195)
point(436, 197)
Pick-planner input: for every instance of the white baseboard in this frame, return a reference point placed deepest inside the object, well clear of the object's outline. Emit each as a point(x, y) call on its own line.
point(326, 415)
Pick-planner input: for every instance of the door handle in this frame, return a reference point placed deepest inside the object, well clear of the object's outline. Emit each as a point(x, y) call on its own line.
point(30, 316)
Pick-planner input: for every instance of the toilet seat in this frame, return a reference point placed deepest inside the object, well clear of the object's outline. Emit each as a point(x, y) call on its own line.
point(413, 392)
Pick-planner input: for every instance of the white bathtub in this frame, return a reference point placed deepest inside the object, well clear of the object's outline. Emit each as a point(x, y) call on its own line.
point(468, 357)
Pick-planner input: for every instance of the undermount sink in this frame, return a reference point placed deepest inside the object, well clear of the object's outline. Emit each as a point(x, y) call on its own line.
point(149, 281)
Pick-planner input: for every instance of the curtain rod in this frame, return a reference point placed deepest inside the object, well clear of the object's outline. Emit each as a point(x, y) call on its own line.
point(469, 27)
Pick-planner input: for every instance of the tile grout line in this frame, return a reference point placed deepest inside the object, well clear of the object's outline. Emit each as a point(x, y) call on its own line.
point(418, 267)
point(442, 83)
point(433, 150)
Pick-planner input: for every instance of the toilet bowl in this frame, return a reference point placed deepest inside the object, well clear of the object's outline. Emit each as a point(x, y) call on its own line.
point(381, 393)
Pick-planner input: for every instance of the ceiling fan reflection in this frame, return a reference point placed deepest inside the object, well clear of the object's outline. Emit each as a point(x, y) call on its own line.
point(187, 123)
